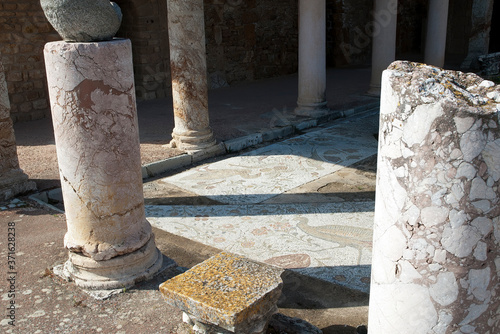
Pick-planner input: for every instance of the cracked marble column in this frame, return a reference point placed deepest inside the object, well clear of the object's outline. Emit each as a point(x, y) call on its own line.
point(91, 88)
point(437, 24)
point(188, 64)
point(312, 58)
point(13, 181)
point(385, 17)
point(436, 258)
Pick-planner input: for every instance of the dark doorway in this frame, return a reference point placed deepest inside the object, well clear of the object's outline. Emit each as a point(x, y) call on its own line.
point(495, 28)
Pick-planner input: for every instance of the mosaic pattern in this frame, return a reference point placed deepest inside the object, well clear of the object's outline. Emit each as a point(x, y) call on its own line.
point(329, 241)
point(269, 171)
point(321, 240)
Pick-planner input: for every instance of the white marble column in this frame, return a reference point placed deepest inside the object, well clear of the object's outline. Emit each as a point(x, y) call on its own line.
point(436, 243)
point(13, 180)
point(437, 24)
point(312, 58)
point(91, 88)
point(384, 40)
point(188, 64)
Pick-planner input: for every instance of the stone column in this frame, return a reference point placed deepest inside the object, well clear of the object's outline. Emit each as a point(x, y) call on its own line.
point(385, 16)
point(436, 250)
point(435, 43)
point(479, 38)
point(188, 64)
point(312, 58)
point(13, 181)
point(91, 88)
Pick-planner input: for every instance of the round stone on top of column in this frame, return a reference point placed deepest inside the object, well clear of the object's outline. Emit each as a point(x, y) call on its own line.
point(312, 59)
point(436, 244)
point(92, 95)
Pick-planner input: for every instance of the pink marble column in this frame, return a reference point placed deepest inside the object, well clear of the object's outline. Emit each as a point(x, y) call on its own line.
point(91, 87)
point(312, 58)
point(437, 24)
point(436, 244)
point(13, 181)
point(385, 16)
point(188, 65)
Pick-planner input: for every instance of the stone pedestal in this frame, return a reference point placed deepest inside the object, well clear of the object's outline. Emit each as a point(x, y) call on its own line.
point(437, 24)
point(384, 41)
point(436, 250)
point(91, 87)
point(226, 294)
point(188, 65)
point(13, 181)
point(312, 58)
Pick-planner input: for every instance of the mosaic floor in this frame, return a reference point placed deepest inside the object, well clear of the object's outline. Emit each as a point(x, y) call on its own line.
point(330, 241)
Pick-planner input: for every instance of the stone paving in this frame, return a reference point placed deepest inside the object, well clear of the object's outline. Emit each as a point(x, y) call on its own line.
point(255, 208)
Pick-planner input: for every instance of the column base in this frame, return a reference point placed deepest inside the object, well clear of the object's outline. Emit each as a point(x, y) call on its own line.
point(312, 110)
point(13, 183)
point(192, 141)
point(119, 272)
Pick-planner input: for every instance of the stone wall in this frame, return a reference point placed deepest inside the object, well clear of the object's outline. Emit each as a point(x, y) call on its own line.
point(349, 32)
point(23, 33)
point(145, 24)
point(253, 39)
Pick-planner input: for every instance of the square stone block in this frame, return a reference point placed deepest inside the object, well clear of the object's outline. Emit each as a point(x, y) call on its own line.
point(226, 292)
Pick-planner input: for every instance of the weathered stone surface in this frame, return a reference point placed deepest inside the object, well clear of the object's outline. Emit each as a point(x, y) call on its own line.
point(13, 181)
point(96, 132)
point(83, 20)
point(435, 251)
point(226, 292)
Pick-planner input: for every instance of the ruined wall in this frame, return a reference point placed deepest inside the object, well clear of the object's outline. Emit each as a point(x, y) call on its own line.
point(349, 31)
point(249, 40)
point(23, 33)
point(145, 24)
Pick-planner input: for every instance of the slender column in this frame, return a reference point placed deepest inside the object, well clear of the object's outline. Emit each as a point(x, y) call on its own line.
point(312, 58)
point(436, 243)
point(435, 43)
point(384, 40)
point(188, 64)
point(13, 181)
point(91, 88)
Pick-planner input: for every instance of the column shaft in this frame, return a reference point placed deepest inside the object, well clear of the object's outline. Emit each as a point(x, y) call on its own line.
point(312, 58)
point(435, 43)
point(188, 65)
point(91, 88)
point(436, 244)
point(384, 40)
point(13, 181)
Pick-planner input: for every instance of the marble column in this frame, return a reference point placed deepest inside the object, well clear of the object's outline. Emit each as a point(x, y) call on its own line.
point(479, 34)
point(312, 58)
point(188, 65)
point(437, 24)
point(385, 16)
point(91, 88)
point(13, 181)
point(436, 245)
